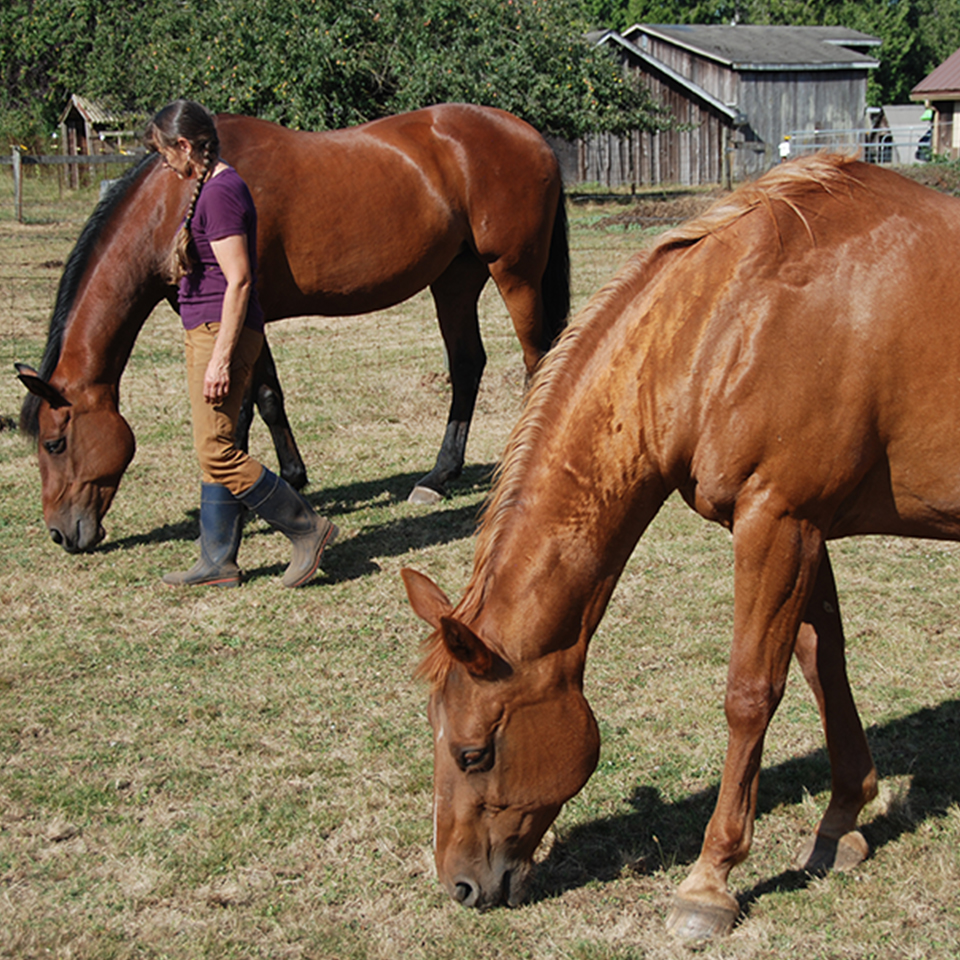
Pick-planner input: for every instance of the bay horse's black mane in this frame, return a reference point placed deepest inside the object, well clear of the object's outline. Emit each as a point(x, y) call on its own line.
point(73, 273)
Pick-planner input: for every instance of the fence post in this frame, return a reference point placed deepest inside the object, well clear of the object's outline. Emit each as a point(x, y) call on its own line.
point(17, 186)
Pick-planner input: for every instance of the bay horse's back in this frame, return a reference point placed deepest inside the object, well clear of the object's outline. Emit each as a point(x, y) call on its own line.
point(392, 202)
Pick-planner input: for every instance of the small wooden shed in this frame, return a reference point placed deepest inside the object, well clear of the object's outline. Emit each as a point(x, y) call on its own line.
point(735, 93)
point(941, 92)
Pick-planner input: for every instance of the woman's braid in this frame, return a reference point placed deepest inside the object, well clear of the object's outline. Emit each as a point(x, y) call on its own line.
point(182, 259)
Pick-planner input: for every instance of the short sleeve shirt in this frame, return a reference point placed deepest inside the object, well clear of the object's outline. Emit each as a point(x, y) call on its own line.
point(224, 209)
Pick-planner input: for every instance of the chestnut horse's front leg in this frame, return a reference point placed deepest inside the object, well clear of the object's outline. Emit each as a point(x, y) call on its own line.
point(775, 566)
point(837, 843)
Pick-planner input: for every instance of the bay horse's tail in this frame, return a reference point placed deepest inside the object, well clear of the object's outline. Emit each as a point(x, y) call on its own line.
point(555, 284)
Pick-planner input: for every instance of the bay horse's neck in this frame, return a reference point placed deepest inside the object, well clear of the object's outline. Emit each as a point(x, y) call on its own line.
point(115, 277)
point(578, 485)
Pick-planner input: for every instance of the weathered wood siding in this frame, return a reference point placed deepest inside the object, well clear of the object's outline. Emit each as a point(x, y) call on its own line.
point(704, 144)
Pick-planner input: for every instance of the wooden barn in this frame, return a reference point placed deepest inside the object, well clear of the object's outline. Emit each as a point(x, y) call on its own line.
point(941, 92)
point(735, 93)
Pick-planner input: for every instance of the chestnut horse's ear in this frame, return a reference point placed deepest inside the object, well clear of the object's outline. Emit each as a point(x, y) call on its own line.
point(429, 602)
point(464, 645)
point(32, 381)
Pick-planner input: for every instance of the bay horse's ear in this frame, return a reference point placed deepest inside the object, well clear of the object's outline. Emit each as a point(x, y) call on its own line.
point(429, 602)
point(32, 381)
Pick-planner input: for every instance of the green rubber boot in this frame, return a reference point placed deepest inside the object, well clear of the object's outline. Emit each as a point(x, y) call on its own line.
point(286, 510)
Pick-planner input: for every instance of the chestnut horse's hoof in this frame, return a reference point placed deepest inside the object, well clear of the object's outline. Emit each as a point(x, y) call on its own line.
point(701, 921)
point(424, 495)
point(820, 854)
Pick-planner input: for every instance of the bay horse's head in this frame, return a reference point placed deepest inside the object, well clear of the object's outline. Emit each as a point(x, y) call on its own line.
point(512, 744)
point(84, 446)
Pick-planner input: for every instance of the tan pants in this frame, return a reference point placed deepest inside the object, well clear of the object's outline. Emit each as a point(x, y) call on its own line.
point(215, 424)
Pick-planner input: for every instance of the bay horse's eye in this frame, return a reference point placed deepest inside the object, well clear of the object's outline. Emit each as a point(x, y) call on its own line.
point(475, 759)
point(54, 447)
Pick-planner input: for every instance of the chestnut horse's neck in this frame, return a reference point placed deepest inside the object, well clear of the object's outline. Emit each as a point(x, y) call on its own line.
point(577, 486)
point(112, 280)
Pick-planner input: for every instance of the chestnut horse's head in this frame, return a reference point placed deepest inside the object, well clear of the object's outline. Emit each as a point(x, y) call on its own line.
point(511, 745)
point(84, 446)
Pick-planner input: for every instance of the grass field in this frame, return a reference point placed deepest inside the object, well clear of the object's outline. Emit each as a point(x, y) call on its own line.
point(247, 773)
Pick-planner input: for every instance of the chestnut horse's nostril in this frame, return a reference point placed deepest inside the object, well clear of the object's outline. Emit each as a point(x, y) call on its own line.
point(56, 536)
point(465, 893)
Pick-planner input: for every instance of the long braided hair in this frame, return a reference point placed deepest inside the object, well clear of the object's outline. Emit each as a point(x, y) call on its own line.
point(195, 123)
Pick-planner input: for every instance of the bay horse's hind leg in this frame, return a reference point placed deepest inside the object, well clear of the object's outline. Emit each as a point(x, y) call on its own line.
point(455, 294)
point(266, 393)
point(837, 843)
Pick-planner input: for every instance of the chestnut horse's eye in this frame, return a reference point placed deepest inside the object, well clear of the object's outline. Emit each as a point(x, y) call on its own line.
point(475, 759)
point(54, 447)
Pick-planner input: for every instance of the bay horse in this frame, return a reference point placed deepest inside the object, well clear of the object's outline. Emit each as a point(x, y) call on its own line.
point(349, 221)
point(790, 363)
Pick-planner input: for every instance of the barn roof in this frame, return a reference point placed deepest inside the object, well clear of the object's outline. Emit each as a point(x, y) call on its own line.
point(750, 47)
point(943, 83)
point(693, 89)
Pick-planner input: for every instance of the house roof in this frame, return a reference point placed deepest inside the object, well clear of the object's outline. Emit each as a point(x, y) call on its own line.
point(944, 82)
point(750, 47)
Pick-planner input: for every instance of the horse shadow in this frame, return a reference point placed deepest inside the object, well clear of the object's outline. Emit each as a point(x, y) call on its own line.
point(350, 559)
point(655, 834)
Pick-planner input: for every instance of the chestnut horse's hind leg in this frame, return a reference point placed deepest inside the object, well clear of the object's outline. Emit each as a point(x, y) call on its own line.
point(455, 294)
point(837, 843)
point(266, 393)
point(775, 565)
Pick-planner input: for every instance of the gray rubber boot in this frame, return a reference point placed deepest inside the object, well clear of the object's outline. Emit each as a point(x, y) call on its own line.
point(220, 531)
point(286, 510)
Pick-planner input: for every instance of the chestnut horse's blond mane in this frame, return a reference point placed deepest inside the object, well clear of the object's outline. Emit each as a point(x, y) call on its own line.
point(790, 184)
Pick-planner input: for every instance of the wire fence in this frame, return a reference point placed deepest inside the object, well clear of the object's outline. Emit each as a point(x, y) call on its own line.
point(897, 146)
point(38, 181)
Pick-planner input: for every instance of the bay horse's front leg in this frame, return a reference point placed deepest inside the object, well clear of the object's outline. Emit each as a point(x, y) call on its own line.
point(775, 564)
point(837, 843)
point(266, 393)
point(455, 294)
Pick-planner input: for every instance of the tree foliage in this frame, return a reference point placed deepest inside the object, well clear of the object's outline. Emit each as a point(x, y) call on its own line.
point(316, 64)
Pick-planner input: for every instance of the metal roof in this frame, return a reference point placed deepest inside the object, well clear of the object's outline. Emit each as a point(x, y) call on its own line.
point(944, 81)
point(611, 36)
point(750, 47)
point(90, 110)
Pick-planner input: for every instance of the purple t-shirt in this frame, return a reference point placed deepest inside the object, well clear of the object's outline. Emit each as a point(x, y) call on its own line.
point(224, 209)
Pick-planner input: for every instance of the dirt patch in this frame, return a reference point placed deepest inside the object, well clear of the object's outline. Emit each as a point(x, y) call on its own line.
point(661, 210)
point(941, 176)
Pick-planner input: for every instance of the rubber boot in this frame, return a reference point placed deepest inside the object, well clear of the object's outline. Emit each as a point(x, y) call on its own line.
point(286, 510)
point(220, 530)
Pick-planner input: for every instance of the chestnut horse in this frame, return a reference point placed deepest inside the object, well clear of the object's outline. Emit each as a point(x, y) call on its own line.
point(790, 363)
point(350, 221)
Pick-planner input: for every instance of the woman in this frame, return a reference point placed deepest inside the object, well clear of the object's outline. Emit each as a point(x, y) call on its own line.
point(214, 260)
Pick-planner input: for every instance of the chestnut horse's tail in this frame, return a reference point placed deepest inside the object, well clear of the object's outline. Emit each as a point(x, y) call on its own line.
point(555, 284)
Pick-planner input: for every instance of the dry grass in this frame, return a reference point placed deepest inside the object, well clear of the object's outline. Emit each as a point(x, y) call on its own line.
point(247, 773)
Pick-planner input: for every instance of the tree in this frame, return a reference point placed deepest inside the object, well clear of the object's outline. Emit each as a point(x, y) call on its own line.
point(316, 63)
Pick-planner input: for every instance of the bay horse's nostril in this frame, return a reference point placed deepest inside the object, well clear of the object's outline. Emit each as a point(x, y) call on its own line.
point(465, 893)
point(56, 536)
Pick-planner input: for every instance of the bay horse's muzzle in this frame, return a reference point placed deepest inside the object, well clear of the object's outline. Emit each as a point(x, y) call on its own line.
point(84, 536)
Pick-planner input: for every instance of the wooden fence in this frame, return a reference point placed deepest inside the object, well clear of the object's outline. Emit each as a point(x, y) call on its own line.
point(19, 160)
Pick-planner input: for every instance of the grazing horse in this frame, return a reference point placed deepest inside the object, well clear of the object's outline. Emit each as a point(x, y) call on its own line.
point(790, 363)
point(350, 221)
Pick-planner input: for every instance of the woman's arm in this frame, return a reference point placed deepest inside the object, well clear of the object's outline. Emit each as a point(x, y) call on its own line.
point(231, 254)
